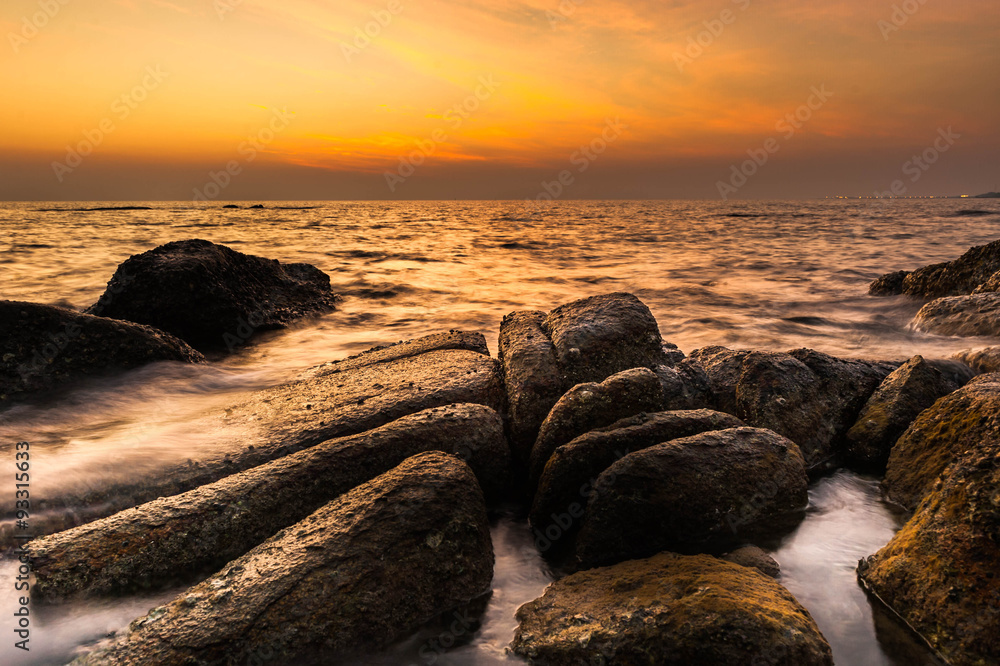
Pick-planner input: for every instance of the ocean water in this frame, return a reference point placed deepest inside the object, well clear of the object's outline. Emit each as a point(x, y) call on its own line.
point(768, 275)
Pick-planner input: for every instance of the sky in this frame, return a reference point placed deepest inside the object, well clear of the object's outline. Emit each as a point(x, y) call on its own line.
point(131, 100)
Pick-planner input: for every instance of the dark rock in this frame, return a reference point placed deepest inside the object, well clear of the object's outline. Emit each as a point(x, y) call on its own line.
point(211, 296)
point(45, 348)
point(981, 360)
point(200, 530)
point(714, 486)
point(685, 386)
point(531, 375)
point(967, 316)
point(723, 368)
point(669, 610)
point(592, 405)
point(961, 276)
point(909, 390)
point(330, 585)
point(940, 572)
point(889, 284)
point(287, 418)
point(956, 424)
point(565, 486)
point(230, 206)
point(992, 284)
point(754, 558)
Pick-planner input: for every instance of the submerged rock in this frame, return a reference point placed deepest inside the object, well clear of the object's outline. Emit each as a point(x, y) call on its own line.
point(755, 558)
point(669, 610)
point(588, 406)
point(330, 585)
point(909, 390)
point(45, 348)
point(211, 296)
point(956, 424)
point(941, 572)
point(714, 486)
point(287, 418)
point(568, 479)
point(968, 316)
point(588, 340)
point(171, 537)
point(961, 276)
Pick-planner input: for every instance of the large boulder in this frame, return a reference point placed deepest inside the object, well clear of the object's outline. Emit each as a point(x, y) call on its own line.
point(287, 418)
point(565, 486)
point(159, 542)
point(588, 340)
point(941, 572)
point(588, 406)
point(966, 316)
point(211, 296)
point(961, 276)
point(981, 360)
point(909, 390)
point(712, 487)
point(669, 610)
point(44, 348)
point(330, 585)
point(685, 386)
point(956, 424)
point(809, 397)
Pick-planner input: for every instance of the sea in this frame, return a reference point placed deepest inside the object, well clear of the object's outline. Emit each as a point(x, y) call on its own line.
point(774, 275)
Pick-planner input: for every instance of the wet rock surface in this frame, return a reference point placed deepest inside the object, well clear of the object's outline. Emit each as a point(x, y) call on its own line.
point(545, 355)
point(961, 276)
point(571, 473)
point(45, 348)
point(981, 360)
point(669, 610)
point(755, 558)
point(909, 390)
point(941, 572)
point(161, 541)
point(683, 494)
point(211, 296)
point(329, 585)
point(588, 406)
point(967, 316)
point(955, 425)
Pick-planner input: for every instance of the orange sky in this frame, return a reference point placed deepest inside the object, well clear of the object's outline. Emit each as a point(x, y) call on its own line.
point(169, 92)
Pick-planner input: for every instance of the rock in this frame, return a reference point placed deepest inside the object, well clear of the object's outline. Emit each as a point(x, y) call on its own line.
point(954, 425)
point(284, 419)
point(210, 296)
point(981, 360)
point(992, 284)
point(909, 390)
point(754, 558)
point(329, 585)
point(568, 479)
point(588, 406)
point(940, 573)
point(961, 276)
point(723, 368)
point(890, 284)
point(685, 386)
point(669, 610)
point(200, 530)
point(531, 375)
point(715, 486)
point(588, 340)
point(967, 316)
point(45, 348)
